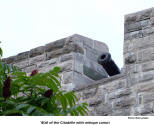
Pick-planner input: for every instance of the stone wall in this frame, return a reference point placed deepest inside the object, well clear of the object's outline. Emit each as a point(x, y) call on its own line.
point(76, 55)
point(129, 93)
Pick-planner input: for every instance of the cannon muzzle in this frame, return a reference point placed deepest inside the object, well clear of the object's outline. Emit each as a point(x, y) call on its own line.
point(108, 64)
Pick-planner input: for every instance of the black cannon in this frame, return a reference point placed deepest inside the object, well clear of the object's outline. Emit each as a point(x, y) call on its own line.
point(108, 64)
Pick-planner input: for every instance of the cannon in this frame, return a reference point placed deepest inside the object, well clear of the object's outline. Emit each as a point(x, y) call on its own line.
point(108, 64)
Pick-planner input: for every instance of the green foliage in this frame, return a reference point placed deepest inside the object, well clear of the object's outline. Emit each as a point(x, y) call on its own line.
point(39, 94)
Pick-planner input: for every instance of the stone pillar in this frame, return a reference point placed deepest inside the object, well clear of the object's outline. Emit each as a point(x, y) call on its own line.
point(76, 55)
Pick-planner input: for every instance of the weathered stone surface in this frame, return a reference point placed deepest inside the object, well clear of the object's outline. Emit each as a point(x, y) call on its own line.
point(36, 51)
point(22, 56)
point(121, 112)
point(89, 93)
point(59, 44)
point(54, 54)
point(91, 73)
point(29, 69)
point(130, 58)
point(37, 59)
point(100, 46)
point(148, 97)
point(146, 86)
point(9, 60)
point(66, 66)
point(135, 68)
point(148, 66)
point(66, 57)
point(133, 35)
point(143, 109)
point(78, 62)
point(94, 101)
point(104, 109)
point(23, 64)
point(67, 78)
point(152, 21)
point(119, 93)
point(133, 27)
point(124, 102)
point(148, 31)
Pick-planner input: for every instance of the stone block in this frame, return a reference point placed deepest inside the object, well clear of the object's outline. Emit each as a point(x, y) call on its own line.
point(37, 59)
point(94, 101)
point(148, 31)
point(146, 86)
point(119, 93)
point(66, 66)
point(152, 21)
point(54, 54)
point(146, 76)
point(36, 51)
point(124, 102)
point(53, 46)
point(134, 68)
point(23, 64)
point(130, 58)
point(143, 109)
point(113, 85)
point(133, 35)
point(81, 81)
point(89, 93)
point(148, 97)
point(104, 109)
point(121, 112)
point(147, 66)
point(133, 27)
point(100, 46)
point(29, 69)
point(22, 56)
point(78, 62)
point(67, 77)
point(66, 57)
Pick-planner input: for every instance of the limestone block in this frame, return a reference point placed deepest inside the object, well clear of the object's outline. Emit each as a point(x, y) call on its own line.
point(53, 46)
point(37, 59)
point(148, 97)
point(152, 21)
point(146, 86)
point(148, 66)
point(92, 54)
point(146, 76)
point(134, 68)
point(119, 93)
point(36, 51)
point(66, 57)
point(112, 86)
point(22, 56)
point(143, 109)
point(89, 93)
point(78, 62)
point(23, 64)
point(30, 69)
point(121, 112)
point(133, 27)
point(130, 58)
point(104, 109)
point(100, 46)
point(94, 101)
point(54, 54)
point(148, 31)
point(9, 60)
point(124, 102)
point(133, 35)
point(67, 77)
point(66, 66)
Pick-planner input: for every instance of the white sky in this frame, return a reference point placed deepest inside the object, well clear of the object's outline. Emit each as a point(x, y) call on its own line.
point(26, 24)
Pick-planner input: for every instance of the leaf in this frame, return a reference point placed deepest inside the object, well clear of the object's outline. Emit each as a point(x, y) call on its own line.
point(20, 106)
point(30, 109)
point(12, 112)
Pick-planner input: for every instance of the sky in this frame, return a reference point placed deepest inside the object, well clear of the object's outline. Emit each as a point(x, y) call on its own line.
point(26, 24)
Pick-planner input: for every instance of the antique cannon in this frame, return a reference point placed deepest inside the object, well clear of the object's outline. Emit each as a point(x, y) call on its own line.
point(108, 64)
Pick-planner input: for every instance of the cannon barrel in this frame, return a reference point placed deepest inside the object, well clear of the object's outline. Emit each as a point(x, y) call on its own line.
point(108, 64)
